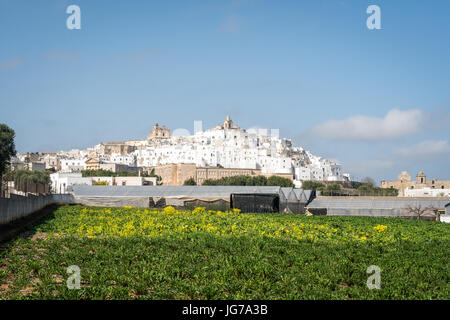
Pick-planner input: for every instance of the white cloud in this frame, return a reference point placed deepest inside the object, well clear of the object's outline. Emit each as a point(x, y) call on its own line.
point(394, 125)
point(427, 148)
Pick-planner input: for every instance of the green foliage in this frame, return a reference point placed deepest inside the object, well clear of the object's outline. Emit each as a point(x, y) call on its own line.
point(369, 190)
point(7, 147)
point(103, 173)
point(279, 181)
point(24, 176)
point(242, 180)
point(158, 178)
point(190, 182)
point(212, 255)
point(25, 179)
point(312, 185)
point(331, 189)
point(100, 183)
point(369, 181)
point(358, 188)
point(356, 184)
point(334, 187)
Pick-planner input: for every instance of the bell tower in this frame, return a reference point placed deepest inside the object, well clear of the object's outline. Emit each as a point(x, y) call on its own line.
point(421, 178)
point(228, 123)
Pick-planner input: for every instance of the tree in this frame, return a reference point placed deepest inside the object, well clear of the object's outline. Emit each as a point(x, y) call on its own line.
point(7, 150)
point(333, 188)
point(158, 178)
point(419, 210)
point(312, 185)
point(365, 189)
point(7, 147)
point(369, 181)
point(389, 192)
point(190, 182)
point(98, 173)
point(243, 180)
point(280, 181)
point(29, 181)
point(257, 181)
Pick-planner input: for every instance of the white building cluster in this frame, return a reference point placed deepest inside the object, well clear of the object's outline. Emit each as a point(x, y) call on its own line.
point(231, 147)
point(225, 145)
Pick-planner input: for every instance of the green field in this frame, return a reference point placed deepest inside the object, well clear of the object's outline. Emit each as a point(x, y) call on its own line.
point(131, 253)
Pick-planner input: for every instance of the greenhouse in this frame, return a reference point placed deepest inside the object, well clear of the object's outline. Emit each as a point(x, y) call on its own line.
point(290, 199)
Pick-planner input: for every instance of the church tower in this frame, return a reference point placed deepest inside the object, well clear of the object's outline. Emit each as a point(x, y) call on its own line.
point(227, 124)
point(159, 132)
point(421, 178)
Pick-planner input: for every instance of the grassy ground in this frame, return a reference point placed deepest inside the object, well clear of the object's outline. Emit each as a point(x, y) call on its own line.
point(130, 253)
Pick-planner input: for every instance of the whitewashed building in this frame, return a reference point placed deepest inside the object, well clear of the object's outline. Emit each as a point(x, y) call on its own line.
point(426, 192)
point(224, 145)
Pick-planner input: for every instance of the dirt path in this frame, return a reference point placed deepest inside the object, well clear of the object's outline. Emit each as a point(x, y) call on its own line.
point(11, 230)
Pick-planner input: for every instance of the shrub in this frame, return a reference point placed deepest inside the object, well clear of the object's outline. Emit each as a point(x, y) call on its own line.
point(312, 185)
point(190, 182)
point(242, 180)
point(101, 183)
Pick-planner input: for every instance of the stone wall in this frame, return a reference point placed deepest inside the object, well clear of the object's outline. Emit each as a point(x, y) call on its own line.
point(17, 207)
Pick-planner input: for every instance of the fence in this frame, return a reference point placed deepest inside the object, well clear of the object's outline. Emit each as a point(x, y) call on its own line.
point(17, 207)
point(4, 189)
point(32, 187)
point(9, 187)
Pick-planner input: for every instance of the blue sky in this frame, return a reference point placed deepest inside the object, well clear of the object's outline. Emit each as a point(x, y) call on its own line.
point(378, 101)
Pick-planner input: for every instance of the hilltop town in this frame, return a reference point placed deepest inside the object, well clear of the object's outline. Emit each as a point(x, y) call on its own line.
point(225, 150)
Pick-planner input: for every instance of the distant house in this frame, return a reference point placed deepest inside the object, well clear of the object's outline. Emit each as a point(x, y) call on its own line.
point(114, 167)
point(62, 181)
point(16, 164)
point(72, 165)
point(35, 166)
point(407, 186)
point(93, 163)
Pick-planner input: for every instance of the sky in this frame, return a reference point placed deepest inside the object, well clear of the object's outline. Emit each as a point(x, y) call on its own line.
point(376, 101)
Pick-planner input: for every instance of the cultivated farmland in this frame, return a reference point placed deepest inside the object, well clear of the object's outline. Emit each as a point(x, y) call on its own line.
point(137, 253)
